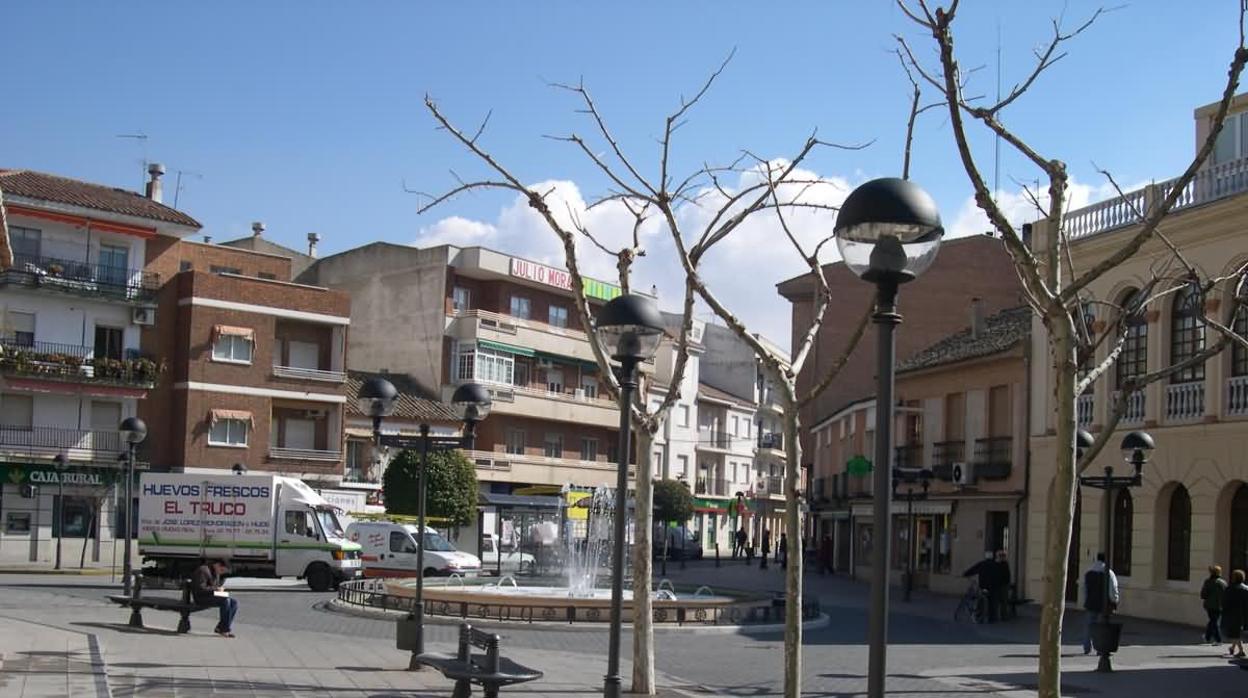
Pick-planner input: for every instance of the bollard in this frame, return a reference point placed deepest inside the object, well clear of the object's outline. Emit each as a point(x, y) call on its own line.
point(717, 553)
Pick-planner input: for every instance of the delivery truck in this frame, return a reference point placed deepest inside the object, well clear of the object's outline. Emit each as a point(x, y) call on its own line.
point(261, 525)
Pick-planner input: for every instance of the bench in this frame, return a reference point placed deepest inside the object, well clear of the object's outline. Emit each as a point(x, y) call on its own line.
point(184, 605)
point(490, 670)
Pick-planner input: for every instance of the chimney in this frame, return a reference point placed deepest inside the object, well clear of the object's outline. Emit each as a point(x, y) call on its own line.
point(207, 239)
point(313, 238)
point(977, 317)
point(153, 185)
point(257, 228)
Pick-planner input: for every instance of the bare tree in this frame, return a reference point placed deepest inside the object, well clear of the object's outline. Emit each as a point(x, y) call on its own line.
point(1057, 293)
point(767, 186)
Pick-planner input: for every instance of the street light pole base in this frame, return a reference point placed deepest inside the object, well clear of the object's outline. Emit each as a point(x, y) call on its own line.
point(1104, 666)
point(611, 686)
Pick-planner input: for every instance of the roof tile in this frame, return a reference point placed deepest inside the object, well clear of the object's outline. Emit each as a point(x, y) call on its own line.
point(62, 190)
point(1001, 333)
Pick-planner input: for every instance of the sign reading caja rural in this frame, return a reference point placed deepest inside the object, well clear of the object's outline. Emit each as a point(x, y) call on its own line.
point(560, 278)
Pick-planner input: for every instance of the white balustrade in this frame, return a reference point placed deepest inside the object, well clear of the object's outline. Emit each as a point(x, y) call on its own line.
point(1185, 401)
point(1084, 408)
point(1237, 396)
point(1134, 410)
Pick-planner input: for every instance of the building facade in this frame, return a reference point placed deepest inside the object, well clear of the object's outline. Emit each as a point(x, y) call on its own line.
point(1192, 509)
point(74, 305)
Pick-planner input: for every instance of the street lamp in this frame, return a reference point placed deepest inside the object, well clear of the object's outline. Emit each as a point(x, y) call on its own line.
point(60, 464)
point(1136, 447)
point(629, 329)
point(133, 431)
point(377, 398)
point(888, 232)
point(911, 476)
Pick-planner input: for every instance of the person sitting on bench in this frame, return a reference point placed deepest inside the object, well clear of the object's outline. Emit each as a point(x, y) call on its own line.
point(206, 589)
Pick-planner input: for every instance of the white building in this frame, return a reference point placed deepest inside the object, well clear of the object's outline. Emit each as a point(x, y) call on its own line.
point(71, 309)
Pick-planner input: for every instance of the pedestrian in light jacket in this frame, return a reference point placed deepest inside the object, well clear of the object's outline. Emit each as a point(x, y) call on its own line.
point(1211, 593)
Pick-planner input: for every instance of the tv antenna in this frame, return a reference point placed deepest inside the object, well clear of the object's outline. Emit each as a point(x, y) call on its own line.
point(142, 139)
point(177, 186)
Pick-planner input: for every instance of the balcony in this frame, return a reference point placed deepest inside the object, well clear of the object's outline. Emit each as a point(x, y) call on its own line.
point(1084, 408)
point(1212, 183)
point(710, 439)
point(82, 278)
point(476, 325)
point(993, 457)
point(944, 455)
point(574, 406)
point(309, 374)
point(527, 468)
point(1134, 411)
point(304, 454)
point(69, 363)
point(1237, 396)
point(771, 485)
point(773, 440)
point(1185, 402)
point(48, 442)
point(909, 456)
point(712, 487)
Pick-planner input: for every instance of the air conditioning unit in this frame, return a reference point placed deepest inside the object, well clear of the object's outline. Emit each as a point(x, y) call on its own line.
point(963, 474)
point(145, 316)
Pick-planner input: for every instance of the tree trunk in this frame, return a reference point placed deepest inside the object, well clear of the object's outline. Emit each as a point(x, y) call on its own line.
point(793, 571)
point(643, 569)
point(1061, 507)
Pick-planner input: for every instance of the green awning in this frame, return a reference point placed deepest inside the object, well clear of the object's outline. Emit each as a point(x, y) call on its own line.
point(568, 360)
point(509, 348)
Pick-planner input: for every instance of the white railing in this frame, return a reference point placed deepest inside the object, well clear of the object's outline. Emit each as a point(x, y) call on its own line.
point(507, 393)
point(1084, 408)
point(1134, 411)
point(1185, 401)
point(499, 460)
point(509, 324)
point(310, 374)
point(1237, 396)
point(304, 454)
point(1212, 183)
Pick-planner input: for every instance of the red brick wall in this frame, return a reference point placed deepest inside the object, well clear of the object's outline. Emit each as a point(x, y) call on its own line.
point(165, 257)
point(492, 435)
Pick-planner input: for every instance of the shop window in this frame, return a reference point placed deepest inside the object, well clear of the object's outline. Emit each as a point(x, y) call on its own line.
point(72, 517)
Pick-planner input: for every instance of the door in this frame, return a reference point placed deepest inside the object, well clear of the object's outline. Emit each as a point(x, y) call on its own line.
point(303, 354)
point(296, 542)
point(997, 535)
point(108, 341)
point(399, 558)
point(114, 265)
point(1239, 529)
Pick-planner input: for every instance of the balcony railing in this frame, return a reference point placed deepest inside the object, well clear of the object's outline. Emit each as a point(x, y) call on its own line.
point(993, 457)
point(1237, 396)
point(82, 278)
point(1185, 401)
point(309, 374)
point(49, 442)
point(711, 486)
point(771, 484)
point(714, 439)
point(773, 440)
point(74, 364)
point(1134, 411)
point(909, 456)
point(1212, 183)
point(1084, 407)
point(944, 455)
point(306, 454)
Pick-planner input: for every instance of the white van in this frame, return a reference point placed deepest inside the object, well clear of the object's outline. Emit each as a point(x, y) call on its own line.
point(389, 550)
point(511, 562)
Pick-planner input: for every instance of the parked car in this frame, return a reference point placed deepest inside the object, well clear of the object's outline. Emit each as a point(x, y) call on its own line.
point(682, 544)
point(389, 550)
point(512, 562)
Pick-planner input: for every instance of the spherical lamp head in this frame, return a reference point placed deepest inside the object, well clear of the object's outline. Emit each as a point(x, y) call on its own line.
point(888, 230)
point(1136, 448)
point(1083, 441)
point(472, 402)
point(377, 397)
point(629, 327)
point(133, 430)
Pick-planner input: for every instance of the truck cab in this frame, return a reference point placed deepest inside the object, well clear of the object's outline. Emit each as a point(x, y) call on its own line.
point(390, 549)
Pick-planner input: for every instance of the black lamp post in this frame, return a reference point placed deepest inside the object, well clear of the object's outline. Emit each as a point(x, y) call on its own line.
point(888, 232)
point(911, 477)
point(133, 431)
point(59, 463)
point(1136, 447)
point(629, 329)
point(472, 403)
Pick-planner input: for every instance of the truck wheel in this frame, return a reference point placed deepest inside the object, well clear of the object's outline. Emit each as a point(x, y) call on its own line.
point(431, 572)
point(319, 577)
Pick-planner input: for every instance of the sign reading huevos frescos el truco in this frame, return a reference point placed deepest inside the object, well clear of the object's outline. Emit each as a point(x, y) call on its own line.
point(560, 278)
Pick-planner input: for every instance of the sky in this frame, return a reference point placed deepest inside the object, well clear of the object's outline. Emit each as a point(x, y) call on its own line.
point(310, 116)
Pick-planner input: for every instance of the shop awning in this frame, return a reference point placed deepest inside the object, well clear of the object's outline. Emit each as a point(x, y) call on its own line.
point(568, 360)
point(216, 415)
point(518, 501)
point(234, 331)
point(899, 508)
point(501, 346)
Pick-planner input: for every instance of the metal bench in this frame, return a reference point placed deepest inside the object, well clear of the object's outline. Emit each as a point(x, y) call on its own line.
point(490, 669)
point(184, 606)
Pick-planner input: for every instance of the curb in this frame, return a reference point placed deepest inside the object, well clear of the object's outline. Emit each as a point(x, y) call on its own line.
point(86, 572)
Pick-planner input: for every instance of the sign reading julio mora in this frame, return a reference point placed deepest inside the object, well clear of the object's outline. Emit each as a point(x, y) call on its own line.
point(559, 278)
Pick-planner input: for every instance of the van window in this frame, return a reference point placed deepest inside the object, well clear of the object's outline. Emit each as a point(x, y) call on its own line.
point(401, 543)
point(487, 545)
point(434, 541)
point(299, 523)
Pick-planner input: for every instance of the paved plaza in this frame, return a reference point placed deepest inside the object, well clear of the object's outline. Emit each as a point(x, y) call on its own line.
point(58, 637)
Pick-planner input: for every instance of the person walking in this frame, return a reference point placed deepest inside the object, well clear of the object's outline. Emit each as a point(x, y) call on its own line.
point(825, 554)
point(740, 544)
point(1235, 613)
point(784, 551)
point(999, 588)
point(1211, 594)
point(1100, 596)
point(765, 549)
point(207, 590)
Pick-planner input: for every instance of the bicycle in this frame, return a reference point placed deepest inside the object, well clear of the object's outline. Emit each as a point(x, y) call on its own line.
point(972, 605)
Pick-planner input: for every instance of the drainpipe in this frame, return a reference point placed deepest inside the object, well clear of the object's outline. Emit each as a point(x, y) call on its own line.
point(1019, 571)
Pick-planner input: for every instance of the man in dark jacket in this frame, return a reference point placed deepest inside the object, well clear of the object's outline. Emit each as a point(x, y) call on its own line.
point(994, 580)
point(206, 590)
point(1211, 593)
point(765, 549)
point(1100, 596)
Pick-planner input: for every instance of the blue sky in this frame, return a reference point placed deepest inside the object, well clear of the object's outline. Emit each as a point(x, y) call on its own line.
point(309, 115)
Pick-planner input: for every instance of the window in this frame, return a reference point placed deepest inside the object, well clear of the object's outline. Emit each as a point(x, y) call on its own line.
point(682, 464)
point(466, 365)
point(303, 354)
point(22, 328)
point(108, 342)
point(77, 520)
point(114, 263)
point(26, 243)
point(105, 418)
point(461, 299)
point(589, 386)
point(736, 426)
point(589, 449)
point(553, 446)
point(1232, 142)
point(1122, 511)
point(520, 307)
point(185, 265)
point(522, 372)
point(1087, 359)
point(683, 416)
point(230, 347)
point(357, 461)
point(1187, 339)
point(216, 269)
point(1239, 323)
point(554, 380)
point(515, 442)
point(486, 365)
point(228, 432)
point(300, 523)
point(1179, 535)
point(1133, 360)
point(298, 433)
point(401, 543)
point(17, 411)
point(557, 315)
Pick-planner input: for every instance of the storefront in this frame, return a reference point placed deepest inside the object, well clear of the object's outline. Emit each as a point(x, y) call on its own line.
point(77, 505)
point(924, 532)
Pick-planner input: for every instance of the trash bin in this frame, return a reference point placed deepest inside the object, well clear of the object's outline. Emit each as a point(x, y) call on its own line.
point(407, 633)
point(1105, 636)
